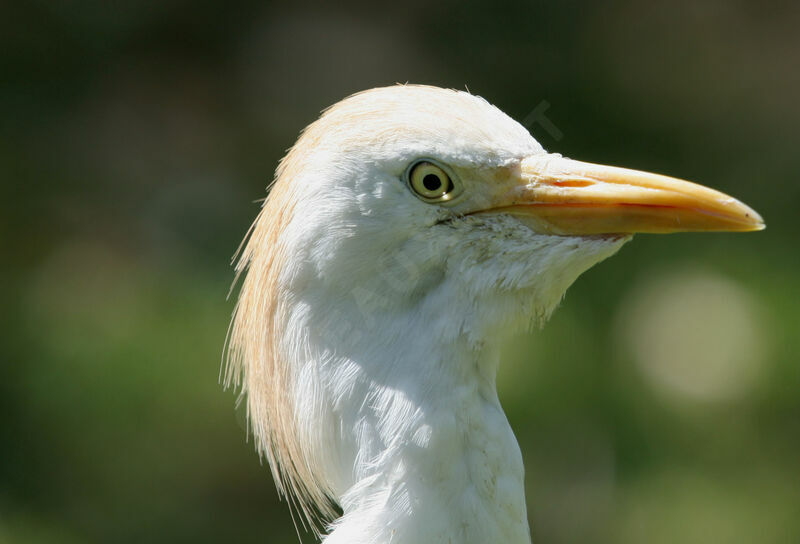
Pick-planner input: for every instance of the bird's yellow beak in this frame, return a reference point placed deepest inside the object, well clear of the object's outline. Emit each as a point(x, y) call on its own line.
point(554, 195)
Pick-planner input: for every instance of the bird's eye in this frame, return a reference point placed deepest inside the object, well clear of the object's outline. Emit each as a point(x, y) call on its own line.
point(430, 183)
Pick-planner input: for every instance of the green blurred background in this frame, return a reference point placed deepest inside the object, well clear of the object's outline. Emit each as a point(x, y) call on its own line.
point(660, 405)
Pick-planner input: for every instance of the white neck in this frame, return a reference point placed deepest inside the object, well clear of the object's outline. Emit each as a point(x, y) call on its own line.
point(454, 474)
point(424, 452)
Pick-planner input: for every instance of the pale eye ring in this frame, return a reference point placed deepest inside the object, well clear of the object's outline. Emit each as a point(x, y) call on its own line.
point(430, 182)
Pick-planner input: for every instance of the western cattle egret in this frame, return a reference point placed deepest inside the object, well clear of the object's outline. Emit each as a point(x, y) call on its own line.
point(408, 233)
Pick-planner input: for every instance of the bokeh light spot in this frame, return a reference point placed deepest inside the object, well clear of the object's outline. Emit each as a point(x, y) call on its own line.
point(694, 335)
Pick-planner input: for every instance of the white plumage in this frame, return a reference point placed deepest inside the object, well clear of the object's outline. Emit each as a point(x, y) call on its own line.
point(367, 330)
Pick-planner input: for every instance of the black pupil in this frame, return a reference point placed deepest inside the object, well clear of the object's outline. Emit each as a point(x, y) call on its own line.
point(432, 182)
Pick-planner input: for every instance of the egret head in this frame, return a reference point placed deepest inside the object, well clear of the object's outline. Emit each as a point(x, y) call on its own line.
point(408, 221)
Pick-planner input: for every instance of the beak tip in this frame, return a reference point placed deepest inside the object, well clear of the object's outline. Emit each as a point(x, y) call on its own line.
point(754, 220)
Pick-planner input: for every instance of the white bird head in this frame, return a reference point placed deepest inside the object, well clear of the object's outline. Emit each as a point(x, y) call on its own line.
point(409, 231)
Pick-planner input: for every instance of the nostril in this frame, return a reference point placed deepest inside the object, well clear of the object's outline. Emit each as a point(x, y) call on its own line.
point(572, 183)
